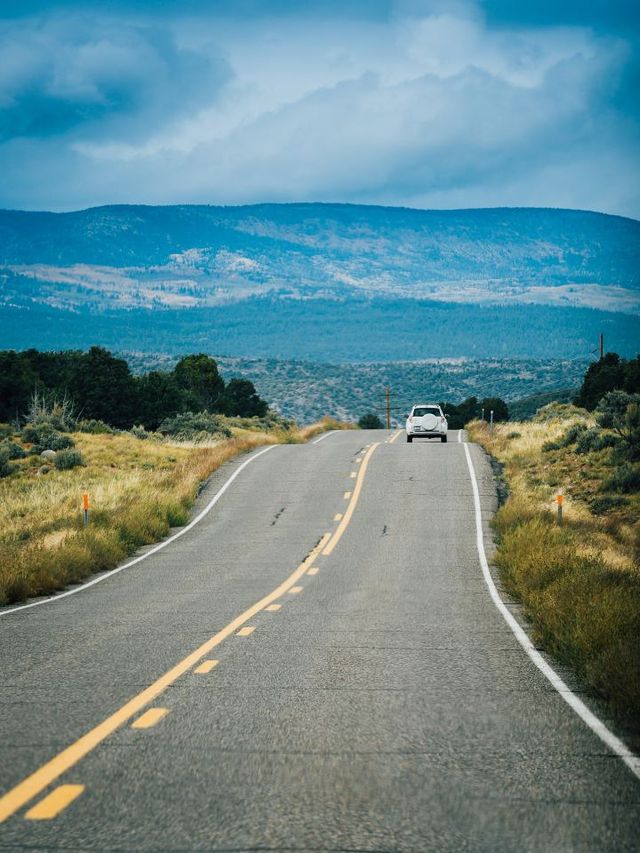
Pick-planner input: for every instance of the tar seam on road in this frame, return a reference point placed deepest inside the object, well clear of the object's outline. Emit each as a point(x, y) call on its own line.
point(337, 536)
point(36, 783)
point(214, 500)
point(595, 724)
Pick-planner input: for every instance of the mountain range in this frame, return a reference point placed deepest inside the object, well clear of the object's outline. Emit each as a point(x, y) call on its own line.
point(321, 281)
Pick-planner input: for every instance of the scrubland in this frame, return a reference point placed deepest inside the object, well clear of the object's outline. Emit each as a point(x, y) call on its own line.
point(138, 489)
point(579, 582)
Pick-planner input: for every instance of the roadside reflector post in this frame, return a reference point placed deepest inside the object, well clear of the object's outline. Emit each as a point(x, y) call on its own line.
point(491, 421)
point(85, 508)
point(560, 510)
point(482, 415)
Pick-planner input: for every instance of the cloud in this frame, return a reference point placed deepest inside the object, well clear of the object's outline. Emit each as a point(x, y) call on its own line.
point(421, 103)
point(64, 73)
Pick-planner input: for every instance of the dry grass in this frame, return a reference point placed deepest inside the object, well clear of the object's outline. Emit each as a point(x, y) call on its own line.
point(579, 583)
point(138, 490)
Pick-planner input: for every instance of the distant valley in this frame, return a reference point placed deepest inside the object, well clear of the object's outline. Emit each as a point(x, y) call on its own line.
point(307, 390)
point(321, 282)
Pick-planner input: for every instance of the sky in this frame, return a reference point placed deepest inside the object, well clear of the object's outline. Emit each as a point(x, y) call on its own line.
point(420, 103)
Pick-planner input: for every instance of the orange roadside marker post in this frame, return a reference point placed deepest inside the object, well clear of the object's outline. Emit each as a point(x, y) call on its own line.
point(560, 509)
point(85, 508)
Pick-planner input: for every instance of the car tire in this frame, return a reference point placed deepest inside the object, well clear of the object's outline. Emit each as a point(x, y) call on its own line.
point(409, 439)
point(443, 438)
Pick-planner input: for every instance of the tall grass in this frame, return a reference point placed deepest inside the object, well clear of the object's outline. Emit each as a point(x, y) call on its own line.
point(138, 490)
point(580, 582)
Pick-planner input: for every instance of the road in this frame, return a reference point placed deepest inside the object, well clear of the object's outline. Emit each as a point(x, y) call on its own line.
point(384, 705)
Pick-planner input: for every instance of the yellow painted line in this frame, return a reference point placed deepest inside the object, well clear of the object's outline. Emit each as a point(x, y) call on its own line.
point(347, 495)
point(206, 666)
point(346, 519)
point(337, 516)
point(391, 440)
point(55, 802)
point(246, 631)
point(353, 475)
point(150, 718)
point(273, 607)
point(34, 784)
point(295, 589)
point(313, 570)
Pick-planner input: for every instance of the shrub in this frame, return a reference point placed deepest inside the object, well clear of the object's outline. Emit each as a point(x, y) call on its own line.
point(625, 479)
point(514, 435)
point(370, 421)
point(191, 426)
point(59, 441)
point(5, 467)
point(602, 505)
point(14, 450)
point(612, 408)
point(6, 431)
point(94, 427)
point(67, 459)
point(570, 437)
point(45, 437)
point(140, 432)
point(557, 411)
point(596, 439)
point(58, 414)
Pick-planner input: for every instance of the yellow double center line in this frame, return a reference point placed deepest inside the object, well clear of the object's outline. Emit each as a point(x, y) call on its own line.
point(52, 770)
point(37, 782)
point(355, 495)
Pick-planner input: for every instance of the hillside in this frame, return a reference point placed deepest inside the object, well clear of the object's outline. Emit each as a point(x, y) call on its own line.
point(308, 390)
point(305, 280)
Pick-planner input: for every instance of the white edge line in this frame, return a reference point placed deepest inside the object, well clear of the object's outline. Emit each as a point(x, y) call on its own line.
point(326, 435)
point(595, 723)
point(102, 577)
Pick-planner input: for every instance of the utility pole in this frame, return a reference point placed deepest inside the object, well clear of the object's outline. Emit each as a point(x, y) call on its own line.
point(601, 346)
point(387, 395)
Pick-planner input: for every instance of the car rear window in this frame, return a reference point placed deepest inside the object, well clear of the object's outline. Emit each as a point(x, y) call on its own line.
point(421, 411)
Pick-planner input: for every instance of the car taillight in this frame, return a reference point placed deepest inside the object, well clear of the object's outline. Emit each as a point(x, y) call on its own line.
point(441, 420)
point(411, 419)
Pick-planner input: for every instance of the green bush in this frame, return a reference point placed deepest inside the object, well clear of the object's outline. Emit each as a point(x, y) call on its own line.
point(59, 441)
point(193, 426)
point(625, 479)
point(140, 432)
point(596, 439)
point(620, 412)
point(94, 427)
point(5, 467)
point(14, 450)
point(557, 411)
point(370, 421)
point(44, 437)
point(67, 459)
point(601, 506)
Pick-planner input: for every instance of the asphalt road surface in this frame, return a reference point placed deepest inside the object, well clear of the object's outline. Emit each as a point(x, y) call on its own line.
point(367, 694)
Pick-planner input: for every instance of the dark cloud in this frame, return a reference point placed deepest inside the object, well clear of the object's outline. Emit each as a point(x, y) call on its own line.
point(65, 72)
point(442, 103)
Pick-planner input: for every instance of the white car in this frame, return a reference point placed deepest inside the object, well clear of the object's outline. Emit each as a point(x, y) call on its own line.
point(426, 420)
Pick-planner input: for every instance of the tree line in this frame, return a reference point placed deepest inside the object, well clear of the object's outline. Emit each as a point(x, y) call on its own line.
point(102, 387)
point(610, 373)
